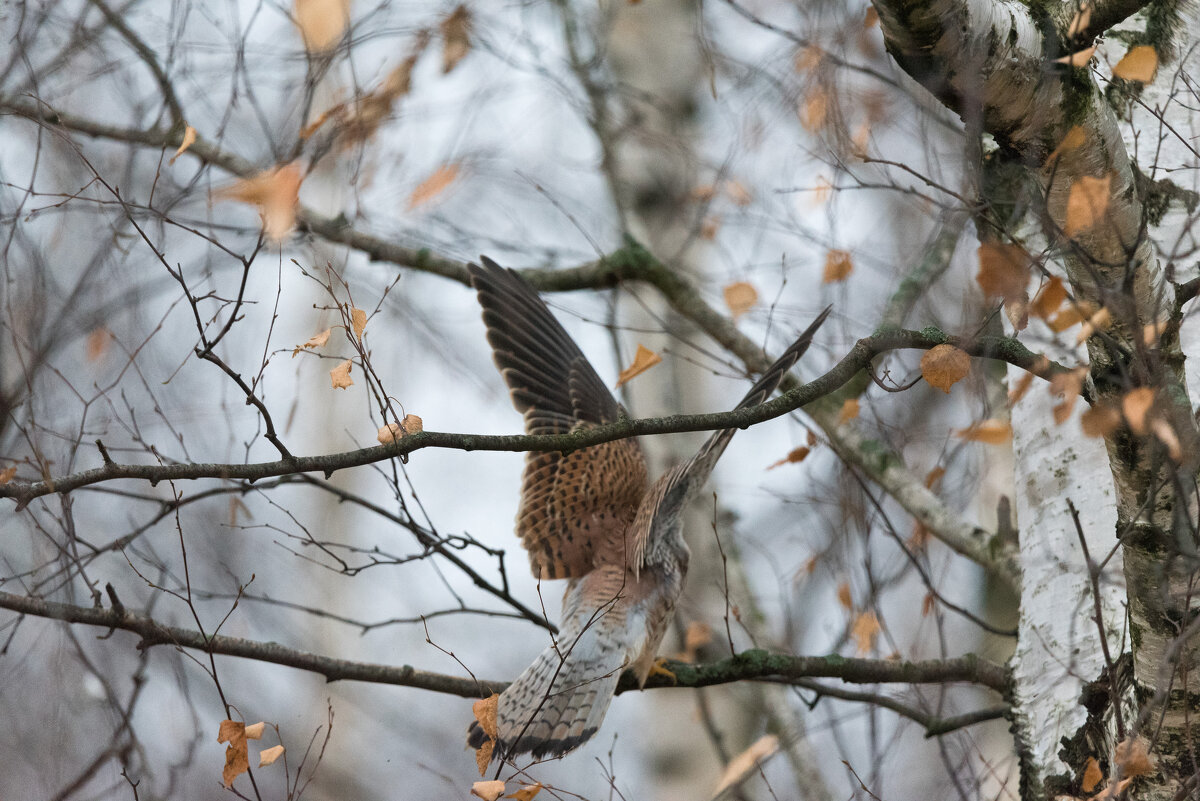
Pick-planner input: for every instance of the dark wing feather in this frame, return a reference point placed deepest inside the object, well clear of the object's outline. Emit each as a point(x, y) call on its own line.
point(569, 502)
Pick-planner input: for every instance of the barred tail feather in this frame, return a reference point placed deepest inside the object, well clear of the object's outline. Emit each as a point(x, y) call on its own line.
point(559, 701)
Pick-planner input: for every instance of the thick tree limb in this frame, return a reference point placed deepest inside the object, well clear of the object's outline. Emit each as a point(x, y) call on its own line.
point(749, 665)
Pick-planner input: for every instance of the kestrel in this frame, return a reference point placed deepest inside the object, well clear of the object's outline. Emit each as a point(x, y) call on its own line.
point(591, 517)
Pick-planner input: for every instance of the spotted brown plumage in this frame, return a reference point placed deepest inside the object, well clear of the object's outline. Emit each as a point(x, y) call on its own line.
point(590, 517)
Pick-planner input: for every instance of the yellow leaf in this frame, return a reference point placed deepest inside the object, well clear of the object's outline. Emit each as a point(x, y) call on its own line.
point(7, 475)
point(944, 366)
point(1135, 405)
point(97, 343)
point(1049, 298)
point(526, 793)
point(255, 730)
point(322, 22)
point(795, 455)
point(456, 38)
point(849, 411)
point(434, 185)
point(643, 360)
point(276, 192)
point(1132, 758)
point(864, 631)
point(843, 595)
point(1003, 270)
point(488, 791)
point(340, 375)
point(1091, 775)
point(745, 763)
point(358, 319)
point(838, 266)
point(269, 755)
point(1074, 138)
point(1139, 64)
point(1079, 23)
point(740, 298)
point(1077, 59)
point(313, 342)
point(989, 432)
point(1099, 321)
point(1020, 388)
point(1099, 420)
point(1086, 203)
point(189, 139)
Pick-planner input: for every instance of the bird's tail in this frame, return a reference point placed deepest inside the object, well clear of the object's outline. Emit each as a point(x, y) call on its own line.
point(560, 700)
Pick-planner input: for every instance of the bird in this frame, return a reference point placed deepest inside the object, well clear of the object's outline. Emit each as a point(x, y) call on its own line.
point(591, 517)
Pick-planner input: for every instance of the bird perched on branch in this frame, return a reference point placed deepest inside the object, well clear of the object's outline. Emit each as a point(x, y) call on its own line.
point(591, 517)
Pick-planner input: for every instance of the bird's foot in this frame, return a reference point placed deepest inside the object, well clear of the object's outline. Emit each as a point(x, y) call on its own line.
point(659, 668)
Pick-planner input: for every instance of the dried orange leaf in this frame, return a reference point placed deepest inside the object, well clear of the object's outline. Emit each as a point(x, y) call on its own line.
point(1099, 321)
point(485, 712)
point(1135, 405)
point(434, 185)
point(526, 793)
point(989, 432)
point(843, 595)
point(340, 375)
point(276, 192)
point(709, 227)
point(698, 635)
point(738, 193)
point(189, 139)
point(919, 537)
point(1152, 331)
point(1079, 23)
point(822, 190)
point(255, 730)
point(1049, 298)
point(872, 17)
point(1087, 203)
point(322, 22)
point(740, 298)
point(237, 759)
point(864, 632)
point(269, 755)
point(928, 604)
point(1003, 270)
point(815, 110)
point(1099, 420)
point(944, 366)
point(97, 343)
point(483, 755)
point(313, 342)
point(1139, 64)
point(808, 59)
point(1133, 759)
point(1091, 775)
point(412, 424)
point(934, 476)
point(745, 763)
point(794, 455)
point(643, 360)
point(1020, 388)
point(1166, 435)
point(838, 266)
point(358, 318)
point(849, 411)
point(488, 791)
point(389, 434)
point(456, 37)
point(7, 475)
point(1068, 385)
point(1072, 315)
point(704, 192)
point(1074, 138)
point(1017, 311)
point(1077, 59)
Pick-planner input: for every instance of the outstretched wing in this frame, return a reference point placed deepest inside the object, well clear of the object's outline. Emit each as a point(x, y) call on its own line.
point(671, 491)
point(569, 502)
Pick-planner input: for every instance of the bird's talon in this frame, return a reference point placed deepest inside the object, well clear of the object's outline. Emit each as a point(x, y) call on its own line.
point(659, 668)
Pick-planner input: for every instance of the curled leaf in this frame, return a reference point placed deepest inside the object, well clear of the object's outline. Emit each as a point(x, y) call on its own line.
point(340, 375)
point(189, 139)
point(1077, 59)
point(488, 791)
point(944, 366)
point(358, 318)
point(314, 342)
point(269, 755)
point(643, 360)
point(795, 455)
point(276, 192)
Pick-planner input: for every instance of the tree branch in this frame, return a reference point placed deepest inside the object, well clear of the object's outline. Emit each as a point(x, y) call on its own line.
point(749, 665)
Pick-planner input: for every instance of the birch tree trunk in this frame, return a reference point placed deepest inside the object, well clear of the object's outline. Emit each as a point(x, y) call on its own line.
point(1059, 124)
